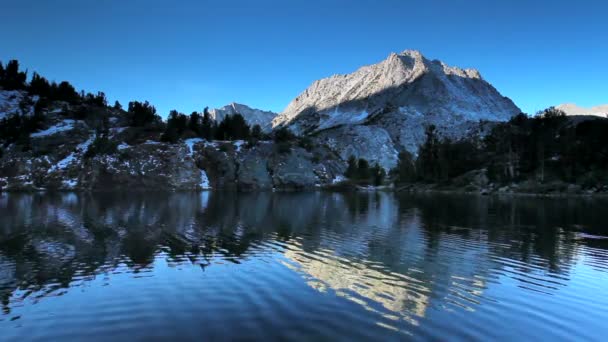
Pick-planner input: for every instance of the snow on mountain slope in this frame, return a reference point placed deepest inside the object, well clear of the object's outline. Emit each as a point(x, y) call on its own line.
point(573, 109)
point(12, 102)
point(251, 115)
point(401, 96)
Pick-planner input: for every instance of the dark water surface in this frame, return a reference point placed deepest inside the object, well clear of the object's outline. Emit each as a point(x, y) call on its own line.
point(301, 266)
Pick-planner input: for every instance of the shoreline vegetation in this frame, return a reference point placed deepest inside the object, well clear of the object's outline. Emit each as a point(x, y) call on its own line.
point(55, 138)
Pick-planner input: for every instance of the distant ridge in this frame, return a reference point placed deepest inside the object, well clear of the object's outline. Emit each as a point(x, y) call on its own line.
point(573, 109)
point(251, 115)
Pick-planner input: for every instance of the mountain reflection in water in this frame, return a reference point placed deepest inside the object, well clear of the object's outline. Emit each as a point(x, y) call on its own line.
point(301, 266)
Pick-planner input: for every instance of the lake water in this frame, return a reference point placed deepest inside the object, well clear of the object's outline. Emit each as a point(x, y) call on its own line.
point(301, 266)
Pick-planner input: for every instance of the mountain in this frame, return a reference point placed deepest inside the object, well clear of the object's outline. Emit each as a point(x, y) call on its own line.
point(573, 109)
point(382, 109)
point(251, 115)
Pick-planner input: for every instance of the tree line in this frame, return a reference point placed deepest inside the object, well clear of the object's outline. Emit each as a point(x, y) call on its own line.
point(142, 115)
point(547, 147)
point(232, 127)
point(360, 172)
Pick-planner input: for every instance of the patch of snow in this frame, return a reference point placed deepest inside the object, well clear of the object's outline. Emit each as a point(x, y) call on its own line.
point(338, 179)
point(117, 130)
point(190, 143)
point(9, 102)
point(211, 144)
point(238, 144)
point(84, 146)
point(123, 146)
point(204, 181)
point(62, 164)
point(65, 125)
point(65, 162)
point(70, 183)
point(151, 142)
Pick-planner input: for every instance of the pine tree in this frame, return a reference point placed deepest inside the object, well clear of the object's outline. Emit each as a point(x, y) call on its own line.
point(363, 171)
point(351, 170)
point(239, 129)
point(378, 174)
point(428, 155)
point(207, 125)
point(406, 169)
point(13, 79)
point(40, 86)
point(66, 92)
point(117, 105)
point(141, 113)
point(283, 134)
point(194, 123)
point(256, 132)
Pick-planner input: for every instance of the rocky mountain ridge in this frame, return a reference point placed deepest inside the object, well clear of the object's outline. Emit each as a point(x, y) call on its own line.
point(251, 115)
point(573, 109)
point(386, 106)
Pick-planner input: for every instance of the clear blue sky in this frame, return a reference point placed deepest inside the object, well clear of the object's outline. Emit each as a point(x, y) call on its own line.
point(191, 54)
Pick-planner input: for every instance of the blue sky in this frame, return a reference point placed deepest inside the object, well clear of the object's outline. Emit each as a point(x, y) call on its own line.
point(191, 54)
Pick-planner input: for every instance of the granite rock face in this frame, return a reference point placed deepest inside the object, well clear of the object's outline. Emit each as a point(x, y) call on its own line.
point(252, 116)
point(398, 98)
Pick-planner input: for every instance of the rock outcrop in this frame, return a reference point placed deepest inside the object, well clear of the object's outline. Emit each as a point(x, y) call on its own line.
point(58, 156)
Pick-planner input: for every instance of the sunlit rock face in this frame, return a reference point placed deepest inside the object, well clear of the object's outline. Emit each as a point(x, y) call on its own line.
point(573, 109)
point(252, 116)
point(399, 97)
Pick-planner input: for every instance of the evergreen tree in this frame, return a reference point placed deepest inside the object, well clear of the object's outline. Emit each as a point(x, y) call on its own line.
point(177, 123)
point(428, 156)
point(181, 123)
point(256, 132)
point(378, 174)
point(66, 92)
point(283, 134)
point(141, 113)
point(363, 170)
point(405, 171)
point(233, 127)
point(207, 125)
point(102, 145)
point(1, 74)
point(13, 79)
point(170, 135)
point(194, 123)
point(117, 105)
point(239, 128)
point(40, 86)
point(351, 169)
